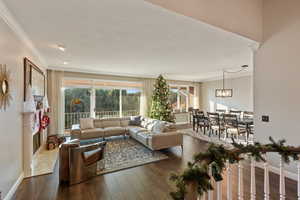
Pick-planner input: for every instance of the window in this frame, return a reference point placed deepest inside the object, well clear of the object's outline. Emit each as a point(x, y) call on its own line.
point(173, 98)
point(77, 105)
point(131, 102)
point(100, 99)
point(107, 103)
point(181, 97)
point(77, 100)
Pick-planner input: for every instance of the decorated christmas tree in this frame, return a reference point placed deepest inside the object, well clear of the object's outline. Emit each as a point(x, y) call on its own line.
point(160, 105)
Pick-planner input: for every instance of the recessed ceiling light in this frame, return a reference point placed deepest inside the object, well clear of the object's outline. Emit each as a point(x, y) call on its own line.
point(61, 47)
point(65, 63)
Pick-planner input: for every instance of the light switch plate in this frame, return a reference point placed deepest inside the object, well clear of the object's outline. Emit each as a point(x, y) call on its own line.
point(265, 118)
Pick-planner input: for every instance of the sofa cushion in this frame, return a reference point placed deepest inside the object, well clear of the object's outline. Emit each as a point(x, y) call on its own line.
point(86, 123)
point(111, 131)
point(124, 122)
point(98, 123)
point(151, 124)
point(134, 130)
point(92, 133)
point(143, 137)
point(146, 121)
point(111, 122)
point(135, 121)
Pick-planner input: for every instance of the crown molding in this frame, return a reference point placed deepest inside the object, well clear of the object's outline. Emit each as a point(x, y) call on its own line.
point(131, 75)
point(10, 20)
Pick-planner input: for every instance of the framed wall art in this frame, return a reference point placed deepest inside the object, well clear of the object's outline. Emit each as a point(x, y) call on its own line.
point(35, 77)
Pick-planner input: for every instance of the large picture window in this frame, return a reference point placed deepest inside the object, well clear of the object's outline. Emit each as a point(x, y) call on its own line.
point(86, 98)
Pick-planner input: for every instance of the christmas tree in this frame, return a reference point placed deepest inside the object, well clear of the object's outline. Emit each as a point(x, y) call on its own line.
point(160, 105)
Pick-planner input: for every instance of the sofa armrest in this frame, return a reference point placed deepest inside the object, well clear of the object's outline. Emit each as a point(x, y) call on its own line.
point(165, 140)
point(75, 131)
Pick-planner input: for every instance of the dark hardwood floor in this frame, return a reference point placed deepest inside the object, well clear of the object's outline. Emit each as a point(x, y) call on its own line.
point(148, 182)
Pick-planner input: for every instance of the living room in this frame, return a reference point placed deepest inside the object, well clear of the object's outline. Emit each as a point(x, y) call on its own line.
point(107, 100)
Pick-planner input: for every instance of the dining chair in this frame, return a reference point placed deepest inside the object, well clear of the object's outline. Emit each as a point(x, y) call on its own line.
point(220, 111)
point(232, 126)
point(215, 124)
point(193, 118)
point(201, 122)
point(248, 115)
point(238, 113)
point(190, 111)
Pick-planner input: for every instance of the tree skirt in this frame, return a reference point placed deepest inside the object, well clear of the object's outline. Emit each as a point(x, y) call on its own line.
point(126, 153)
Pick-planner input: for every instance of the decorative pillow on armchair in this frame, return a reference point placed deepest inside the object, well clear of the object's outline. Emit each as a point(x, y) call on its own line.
point(86, 123)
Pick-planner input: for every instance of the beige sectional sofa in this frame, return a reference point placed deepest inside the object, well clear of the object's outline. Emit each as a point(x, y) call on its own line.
point(154, 134)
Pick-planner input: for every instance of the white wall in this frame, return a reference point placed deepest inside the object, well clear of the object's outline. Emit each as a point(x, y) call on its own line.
point(277, 73)
point(12, 53)
point(242, 94)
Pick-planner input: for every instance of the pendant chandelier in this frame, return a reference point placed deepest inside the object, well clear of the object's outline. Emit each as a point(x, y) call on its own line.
point(227, 92)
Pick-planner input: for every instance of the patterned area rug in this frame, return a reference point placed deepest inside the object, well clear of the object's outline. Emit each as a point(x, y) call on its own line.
point(127, 153)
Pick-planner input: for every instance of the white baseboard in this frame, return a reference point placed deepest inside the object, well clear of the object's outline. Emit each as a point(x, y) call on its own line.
point(14, 188)
point(276, 170)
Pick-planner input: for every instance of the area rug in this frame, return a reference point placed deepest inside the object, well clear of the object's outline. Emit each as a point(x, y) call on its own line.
point(44, 162)
point(126, 153)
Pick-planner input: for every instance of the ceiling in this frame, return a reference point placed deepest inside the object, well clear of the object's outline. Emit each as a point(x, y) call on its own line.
point(128, 37)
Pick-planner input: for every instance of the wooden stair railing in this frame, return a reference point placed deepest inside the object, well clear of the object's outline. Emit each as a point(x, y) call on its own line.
point(195, 182)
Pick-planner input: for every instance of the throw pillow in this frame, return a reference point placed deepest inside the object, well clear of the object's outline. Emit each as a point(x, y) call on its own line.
point(86, 123)
point(135, 120)
point(159, 127)
point(151, 124)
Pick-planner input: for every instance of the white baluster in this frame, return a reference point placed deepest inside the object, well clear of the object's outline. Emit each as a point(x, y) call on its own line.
point(241, 182)
point(219, 190)
point(210, 194)
point(298, 184)
point(266, 180)
point(203, 196)
point(282, 180)
point(253, 185)
point(229, 188)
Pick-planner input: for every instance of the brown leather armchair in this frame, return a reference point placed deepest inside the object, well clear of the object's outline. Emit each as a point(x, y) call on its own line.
point(79, 163)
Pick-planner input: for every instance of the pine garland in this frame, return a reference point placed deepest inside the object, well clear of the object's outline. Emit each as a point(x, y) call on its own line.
point(217, 155)
point(160, 106)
